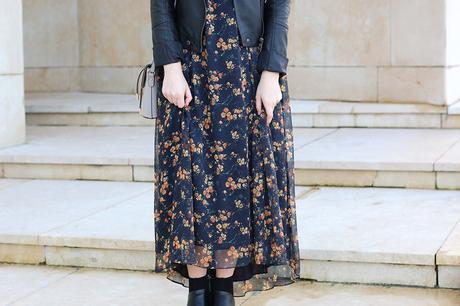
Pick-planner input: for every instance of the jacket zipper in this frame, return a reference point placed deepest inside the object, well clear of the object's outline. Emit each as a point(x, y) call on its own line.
point(262, 17)
point(202, 26)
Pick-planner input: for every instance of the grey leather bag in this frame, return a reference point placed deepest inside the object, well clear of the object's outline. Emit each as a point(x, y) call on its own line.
point(146, 92)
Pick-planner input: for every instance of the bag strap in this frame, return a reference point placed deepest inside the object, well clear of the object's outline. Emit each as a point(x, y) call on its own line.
point(140, 82)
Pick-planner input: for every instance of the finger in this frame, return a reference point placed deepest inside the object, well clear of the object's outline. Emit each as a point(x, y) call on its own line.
point(180, 101)
point(168, 98)
point(258, 104)
point(171, 99)
point(280, 97)
point(188, 96)
point(269, 112)
point(164, 93)
point(269, 119)
point(276, 101)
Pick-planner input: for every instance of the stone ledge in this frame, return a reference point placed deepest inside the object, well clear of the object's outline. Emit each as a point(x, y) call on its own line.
point(304, 177)
point(347, 107)
point(376, 225)
point(372, 178)
point(369, 273)
point(417, 158)
point(22, 253)
point(99, 109)
point(382, 149)
point(343, 255)
point(449, 160)
point(448, 277)
point(449, 254)
point(325, 120)
point(81, 102)
point(70, 172)
point(100, 258)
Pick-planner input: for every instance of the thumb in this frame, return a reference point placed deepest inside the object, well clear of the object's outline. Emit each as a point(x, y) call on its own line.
point(188, 96)
point(180, 101)
point(258, 104)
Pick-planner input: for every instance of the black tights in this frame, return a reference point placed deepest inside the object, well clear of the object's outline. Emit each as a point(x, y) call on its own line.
point(213, 283)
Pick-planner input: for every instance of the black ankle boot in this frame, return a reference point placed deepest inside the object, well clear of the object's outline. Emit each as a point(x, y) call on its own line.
point(199, 292)
point(222, 291)
point(222, 298)
point(199, 297)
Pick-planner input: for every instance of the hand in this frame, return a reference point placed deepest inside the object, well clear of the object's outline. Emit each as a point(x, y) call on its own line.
point(175, 87)
point(268, 93)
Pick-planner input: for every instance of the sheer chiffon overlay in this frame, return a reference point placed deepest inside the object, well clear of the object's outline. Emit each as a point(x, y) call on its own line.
point(224, 180)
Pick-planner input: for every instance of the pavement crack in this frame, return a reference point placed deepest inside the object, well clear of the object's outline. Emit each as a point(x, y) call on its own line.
point(43, 287)
point(444, 153)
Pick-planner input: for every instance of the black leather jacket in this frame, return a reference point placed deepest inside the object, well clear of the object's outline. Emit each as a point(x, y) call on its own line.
point(176, 23)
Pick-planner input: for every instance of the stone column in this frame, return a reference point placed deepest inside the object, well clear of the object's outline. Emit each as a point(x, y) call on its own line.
point(12, 114)
point(402, 51)
point(453, 49)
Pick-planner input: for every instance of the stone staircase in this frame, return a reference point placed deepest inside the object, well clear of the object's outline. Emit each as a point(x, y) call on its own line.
point(415, 158)
point(87, 109)
point(79, 192)
point(102, 137)
point(361, 235)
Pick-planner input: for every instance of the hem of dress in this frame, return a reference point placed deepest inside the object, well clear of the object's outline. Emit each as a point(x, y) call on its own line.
point(240, 292)
point(292, 281)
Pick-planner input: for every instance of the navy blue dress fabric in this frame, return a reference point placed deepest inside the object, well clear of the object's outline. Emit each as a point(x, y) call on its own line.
point(224, 180)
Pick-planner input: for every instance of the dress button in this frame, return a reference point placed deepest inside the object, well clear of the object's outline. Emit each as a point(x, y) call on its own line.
point(248, 39)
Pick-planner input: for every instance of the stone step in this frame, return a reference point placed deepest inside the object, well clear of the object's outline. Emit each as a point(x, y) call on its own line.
point(84, 109)
point(324, 114)
point(357, 235)
point(415, 158)
point(89, 109)
point(42, 285)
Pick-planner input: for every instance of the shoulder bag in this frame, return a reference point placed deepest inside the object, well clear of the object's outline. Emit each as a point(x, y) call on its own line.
point(146, 92)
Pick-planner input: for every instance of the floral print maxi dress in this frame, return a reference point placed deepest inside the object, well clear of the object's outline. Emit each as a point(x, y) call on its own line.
point(224, 180)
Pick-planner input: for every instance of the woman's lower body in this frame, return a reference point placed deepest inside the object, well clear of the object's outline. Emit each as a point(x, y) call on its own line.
point(224, 180)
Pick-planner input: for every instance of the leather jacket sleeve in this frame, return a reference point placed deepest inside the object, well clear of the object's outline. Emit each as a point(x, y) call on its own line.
point(167, 48)
point(273, 56)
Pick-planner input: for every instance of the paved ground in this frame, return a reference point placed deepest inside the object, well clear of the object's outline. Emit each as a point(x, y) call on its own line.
point(45, 285)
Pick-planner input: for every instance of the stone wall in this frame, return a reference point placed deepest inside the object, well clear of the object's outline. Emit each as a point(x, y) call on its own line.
point(12, 119)
point(87, 45)
point(346, 50)
point(375, 50)
point(51, 45)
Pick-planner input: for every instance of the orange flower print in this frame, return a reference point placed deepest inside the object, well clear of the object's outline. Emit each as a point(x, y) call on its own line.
point(224, 181)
